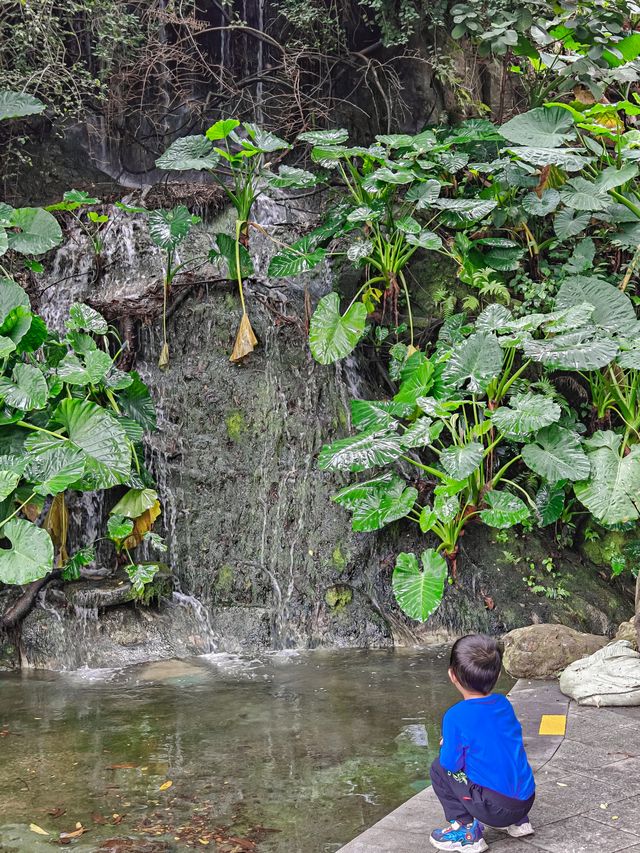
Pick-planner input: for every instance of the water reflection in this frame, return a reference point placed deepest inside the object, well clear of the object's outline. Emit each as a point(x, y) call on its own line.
point(315, 746)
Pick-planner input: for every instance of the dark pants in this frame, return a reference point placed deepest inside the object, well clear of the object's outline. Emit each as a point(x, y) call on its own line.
point(463, 801)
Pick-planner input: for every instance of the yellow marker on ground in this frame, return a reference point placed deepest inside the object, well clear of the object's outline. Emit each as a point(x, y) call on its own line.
point(553, 724)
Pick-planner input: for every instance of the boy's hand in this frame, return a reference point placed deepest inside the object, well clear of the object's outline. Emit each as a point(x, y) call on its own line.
point(441, 741)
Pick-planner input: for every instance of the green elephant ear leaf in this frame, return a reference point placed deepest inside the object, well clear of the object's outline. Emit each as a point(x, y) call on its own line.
point(26, 390)
point(56, 469)
point(382, 505)
point(119, 527)
point(33, 231)
point(580, 350)
point(475, 362)
point(299, 258)
point(84, 318)
point(12, 296)
point(525, 414)
point(416, 379)
point(612, 491)
point(135, 502)
point(504, 510)
point(376, 446)
point(333, 335)
point(366, 413)
point(461, 462)
point(168, 228)
point(542, 127)
point(30, 556)
point(612, 309)
point(102, 440)
point(550, 502)
point(18, 105)
point(556, 454)
point(189, 153)
point(419, 591)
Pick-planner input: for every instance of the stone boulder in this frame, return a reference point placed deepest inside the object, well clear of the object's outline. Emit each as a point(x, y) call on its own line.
point(628, 632)
point(610, 676)
point(544, 651)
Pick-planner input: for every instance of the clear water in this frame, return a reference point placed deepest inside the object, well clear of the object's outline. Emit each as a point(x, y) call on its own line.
point(294, 752)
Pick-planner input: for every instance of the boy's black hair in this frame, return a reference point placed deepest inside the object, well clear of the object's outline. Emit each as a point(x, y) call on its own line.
point(476, 661)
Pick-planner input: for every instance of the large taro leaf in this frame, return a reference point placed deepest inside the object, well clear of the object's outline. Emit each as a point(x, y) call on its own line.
point(189, 153)
point(469, 209)
point(567, 159)
point(84, 318)
point(168, 228)
point(461, 462)
point(580, 350)
point(222, 129)
point(542, 127)
point(333, 335)
point(504, 510)
point(55, 470)
point(556, 454)
point(100, 437)
point(525, 414)
point(324, 137)
point(30, 556)
point(34, 231)
point(383, 505)
point(550, 502)
point(26, 390)
point(611, 177)
point(580, 194)
point(290, 176)
point(352, 494)
point(421, 433)
point(97, 364)
point(12, 296)
point(541, 206)
point(366, 413)
point(296, 259)
point(416, 379)
point(612, 492)
point(474, 363)
point(567, 223)
point(18, 105)
point(419, 592)
point(373, 447)
point(136, 403)
point(613, 310)
point(494, 318)
point(134, 502)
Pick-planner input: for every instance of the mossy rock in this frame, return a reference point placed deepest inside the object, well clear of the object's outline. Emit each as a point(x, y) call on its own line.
point(338, 597)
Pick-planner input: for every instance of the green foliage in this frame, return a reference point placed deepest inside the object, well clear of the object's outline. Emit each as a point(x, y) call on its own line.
point(61, 429)
point(419, 591)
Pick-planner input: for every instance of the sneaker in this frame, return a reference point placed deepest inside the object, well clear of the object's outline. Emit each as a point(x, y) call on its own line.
point(459, 837)
point(518, 830)
point(521, 828)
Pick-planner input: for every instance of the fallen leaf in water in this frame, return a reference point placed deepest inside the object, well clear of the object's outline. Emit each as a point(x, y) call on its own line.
point(37, 829)
point(166, 785)
point(615, 817)
point(203, 841)
point(77, 832)
point(57, 812)
point(604, 805)
point(562, 785)
point(121, 766)
point(489, 603)
point(117, 818)
point(98, 818)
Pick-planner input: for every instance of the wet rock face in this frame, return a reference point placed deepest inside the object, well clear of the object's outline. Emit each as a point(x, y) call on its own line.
point(249, 520)
point(544, 651)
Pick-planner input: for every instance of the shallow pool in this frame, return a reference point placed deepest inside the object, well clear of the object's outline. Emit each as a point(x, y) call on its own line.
point(289, 752)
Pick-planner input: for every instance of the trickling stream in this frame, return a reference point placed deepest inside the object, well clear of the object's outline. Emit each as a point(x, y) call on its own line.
point(296, 751)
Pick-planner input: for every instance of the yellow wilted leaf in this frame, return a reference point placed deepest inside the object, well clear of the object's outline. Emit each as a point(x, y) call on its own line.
point(37, 829)
point(142, 525)
point(411, 349)
point(163, 361)
point(57, 525)
point(246, 340)
point(166, 785)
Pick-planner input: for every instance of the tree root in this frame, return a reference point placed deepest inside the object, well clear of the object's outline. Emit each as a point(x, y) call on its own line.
point(17, 612)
